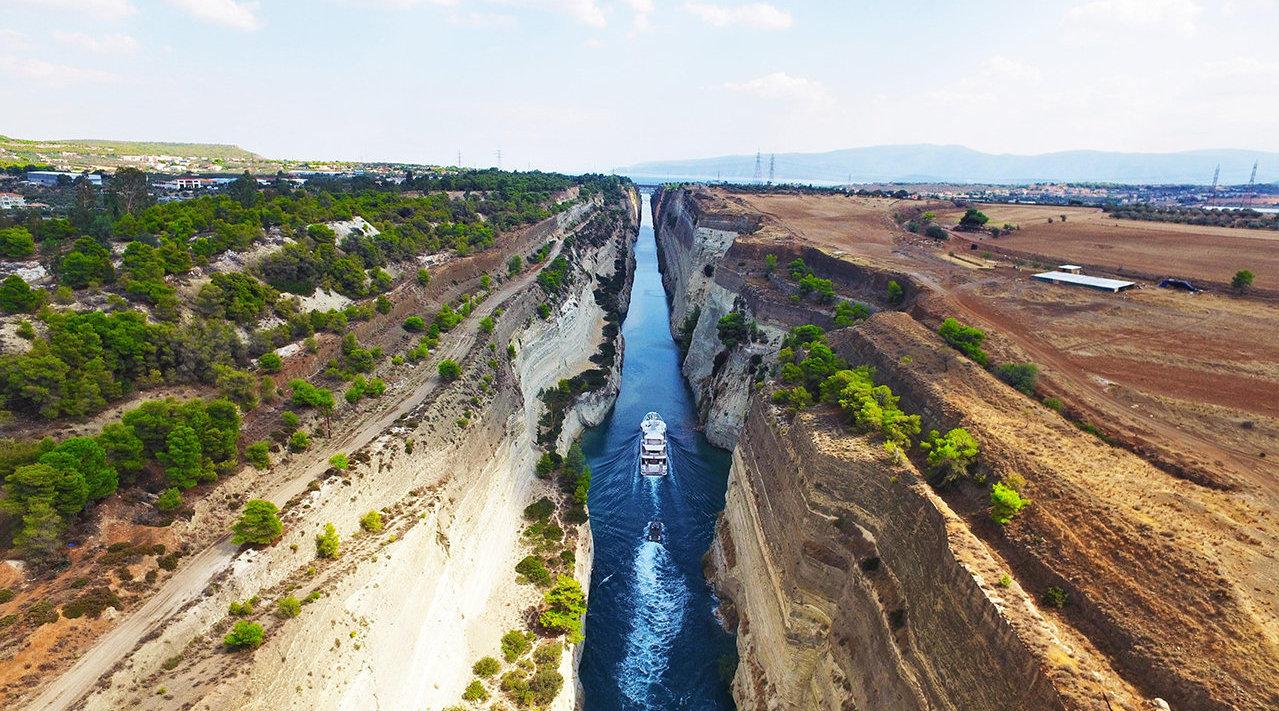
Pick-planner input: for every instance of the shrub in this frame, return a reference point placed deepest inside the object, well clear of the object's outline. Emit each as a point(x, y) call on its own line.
point(548, 653)
point(339, 462)
point(486, 324)
point(299, 441)
point(244, 635)
point(305, 394)
point(1054, 404)
point(371, 522)
point(169, 499)
point(16, 296)
point(514, 644)
point(567, 604)
point(539, 510)
point(423, 277)
point(973, 218)
point(1005, 503)
point(534, 570)
point(734, 329)
point(450, 370)
point(544, 310)
point(258, 524)
point(895, 292)
point(545, 465)
point(1021, 376)
point(545, 685)
point(822, 289)
point(795, 399)
point(872, 408)
point(770, 263)
point(514, 265)
point(475, 691)
point(935, 232)
point(486, 667)
point(290, 420)
point(965, 339)
point(241, 609)
point(327, 544)
point(950, 455)
point(414, 324)
point(271, 362)
point(92, 603)
point(16, 242)
point(1242, 279)
point(259, 453)
point(288, 606)
point(1055, 597)
point(848, 313)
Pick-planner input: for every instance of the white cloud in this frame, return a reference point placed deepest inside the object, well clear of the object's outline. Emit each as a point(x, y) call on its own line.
point(587, 12)
point(236, 14)
point(1000, 68)
point(102, 44)
point(13, 40)
point(1101, 16)
point(780, 85)
point(643, 15)
point(101, 9)
point(759, 15)
point(50, 73)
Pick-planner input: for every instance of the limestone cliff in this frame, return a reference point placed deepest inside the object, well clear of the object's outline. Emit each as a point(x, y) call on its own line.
point(405, 614)
point(853, 584)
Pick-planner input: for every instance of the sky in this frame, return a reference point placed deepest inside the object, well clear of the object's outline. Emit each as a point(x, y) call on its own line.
point(591, 85)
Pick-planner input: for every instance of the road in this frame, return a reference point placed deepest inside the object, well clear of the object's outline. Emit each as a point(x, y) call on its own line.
point(69, 688)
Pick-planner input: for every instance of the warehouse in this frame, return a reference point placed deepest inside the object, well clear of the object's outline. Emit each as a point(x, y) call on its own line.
point(1076, 279)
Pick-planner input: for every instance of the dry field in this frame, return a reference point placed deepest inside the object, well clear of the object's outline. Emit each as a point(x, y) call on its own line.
point(1153, 249)
point(1193, 381)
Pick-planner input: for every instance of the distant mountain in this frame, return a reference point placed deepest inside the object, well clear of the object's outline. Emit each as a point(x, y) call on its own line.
point(927, 163)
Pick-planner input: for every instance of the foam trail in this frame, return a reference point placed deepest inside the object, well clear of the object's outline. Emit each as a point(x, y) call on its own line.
point(659, 599)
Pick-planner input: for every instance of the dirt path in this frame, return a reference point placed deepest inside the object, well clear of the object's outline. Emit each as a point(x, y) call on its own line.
point(191, 579)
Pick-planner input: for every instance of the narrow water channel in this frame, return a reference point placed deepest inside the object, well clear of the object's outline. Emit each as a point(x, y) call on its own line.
point(652, 639)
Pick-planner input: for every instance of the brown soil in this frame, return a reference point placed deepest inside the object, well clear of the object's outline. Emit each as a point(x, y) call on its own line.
point(1091, 237)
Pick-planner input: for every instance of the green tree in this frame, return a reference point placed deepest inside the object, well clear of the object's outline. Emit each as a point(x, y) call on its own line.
point(238, 386)
point(486, 667)
point(327, 544)
point(16, 242)
point(1005, 503)
point(514, 265)
point(169, 499)
point(514, 644)
point(566, 604)
point(40, 537)
point(449, 370)
point(414, 324)
point(475, 691)
point(299, 441)
point(258, 454)
point(305, 394)
point(244, 635)
point(1242, 280)
point(271, 362)
point(123, 449)
point(770, 264)
point(339, 462)
point(258, 524)
point(183, 457)
point(895, 292)
point(973, 219)
point(734, 329)
point(87, 458)
point(848, 313)
point(950, 455)
point(371, 521)
point(244, 190)
point(16, 296)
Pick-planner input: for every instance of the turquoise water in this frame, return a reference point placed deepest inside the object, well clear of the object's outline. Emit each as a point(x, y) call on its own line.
point(652, 639)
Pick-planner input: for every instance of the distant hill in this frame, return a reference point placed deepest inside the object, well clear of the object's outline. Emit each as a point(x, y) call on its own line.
point(927, 163)
point(82, 153)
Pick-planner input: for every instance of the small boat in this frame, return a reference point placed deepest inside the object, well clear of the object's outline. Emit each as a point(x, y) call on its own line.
point(653, 445)
point(655, 531)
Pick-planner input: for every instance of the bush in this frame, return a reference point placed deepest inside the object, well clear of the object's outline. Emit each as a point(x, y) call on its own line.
point(567, 604)
point(548, 654)
point(486, 324)
point(734, 329)
point(475, 691)
point(541, 509)
point(450, 370)
point(327, 544)
point(486, 667)
point(271, 362)
point(950, 455)
point(514, 265)
point(935, 232)
point(1021, 376)
point(544, 310)
point(414, 324)
point(872, 408)
point(1242, 279)
point(241, 609)
point(795, 399)
point(965, 339)
point(16, 296)
point(973, 218)
point(299, 441)
point(288, 606)
point(290, 420)
point(895, 292)
point(16, 242)
point(244, 635)
point(1055, 597)
point(169, 499)
point(534, 570)
point(339, 462)
point(259, 453)
point(259, 524)
point(1005, 503)
point(848, 313)
point(305, 394)
point(514, 644)
point(92, 603)
point(371, 522)
point(1054, 404)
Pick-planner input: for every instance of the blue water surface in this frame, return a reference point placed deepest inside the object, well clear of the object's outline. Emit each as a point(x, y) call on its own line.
point(652, 639)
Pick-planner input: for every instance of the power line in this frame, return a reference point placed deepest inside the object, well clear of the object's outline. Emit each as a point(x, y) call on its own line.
point(759, 168)
point(772, 167)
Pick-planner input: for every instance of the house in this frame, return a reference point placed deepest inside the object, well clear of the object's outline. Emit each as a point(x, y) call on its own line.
point(9, 201)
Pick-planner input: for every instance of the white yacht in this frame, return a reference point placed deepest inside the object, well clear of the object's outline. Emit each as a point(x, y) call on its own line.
point(653, 446)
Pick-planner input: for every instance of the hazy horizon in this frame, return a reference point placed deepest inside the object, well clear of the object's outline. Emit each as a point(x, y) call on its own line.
point(593, 85)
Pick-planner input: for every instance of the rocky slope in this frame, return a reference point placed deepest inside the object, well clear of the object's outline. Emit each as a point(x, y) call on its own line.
point(853, 584)
point(436, 589)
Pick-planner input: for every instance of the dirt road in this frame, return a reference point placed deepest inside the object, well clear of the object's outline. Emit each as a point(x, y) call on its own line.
point(190, 580)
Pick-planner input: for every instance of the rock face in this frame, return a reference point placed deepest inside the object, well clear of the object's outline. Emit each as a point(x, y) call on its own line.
point(437, 590)
point(852, 584)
